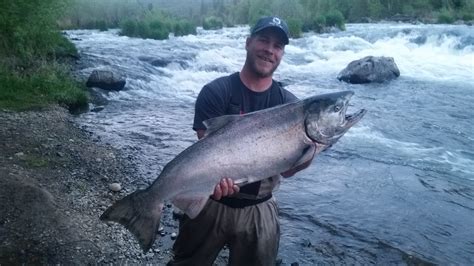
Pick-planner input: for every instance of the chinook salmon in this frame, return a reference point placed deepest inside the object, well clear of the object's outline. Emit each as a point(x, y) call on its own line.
point(246, 148)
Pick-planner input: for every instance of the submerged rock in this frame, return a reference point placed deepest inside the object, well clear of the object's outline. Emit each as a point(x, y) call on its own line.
point(370, 69)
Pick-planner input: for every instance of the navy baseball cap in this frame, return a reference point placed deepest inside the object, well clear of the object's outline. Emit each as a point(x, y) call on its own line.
point(275, 22)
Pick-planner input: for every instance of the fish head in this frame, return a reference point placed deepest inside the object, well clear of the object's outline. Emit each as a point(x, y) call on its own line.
point(326, 119)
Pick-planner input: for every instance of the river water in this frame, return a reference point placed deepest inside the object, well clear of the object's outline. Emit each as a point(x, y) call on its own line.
point(398, 188)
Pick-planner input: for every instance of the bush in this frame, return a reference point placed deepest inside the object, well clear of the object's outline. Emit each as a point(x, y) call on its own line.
point(128, 28)
point(101, 25)
point(30, 42)
point(143, 30)
point(96, 24)
point(183, 27)
point(467, 16)
point(157, 26)
point(319, 22)
point(295, 26)
point(445, 17)
point(158, 30)
point(212, 23)
point(335, 18)
point(65, 48)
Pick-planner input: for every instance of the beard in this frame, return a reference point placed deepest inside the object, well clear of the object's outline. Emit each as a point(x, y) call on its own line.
point(259, 71)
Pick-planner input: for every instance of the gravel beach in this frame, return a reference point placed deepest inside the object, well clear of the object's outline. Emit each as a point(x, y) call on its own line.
point(54, 183)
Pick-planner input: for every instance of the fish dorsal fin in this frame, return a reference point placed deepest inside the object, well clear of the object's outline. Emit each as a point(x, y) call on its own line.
point(214, 124)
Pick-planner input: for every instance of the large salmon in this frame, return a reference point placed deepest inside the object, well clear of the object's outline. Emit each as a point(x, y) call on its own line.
point(246, 148)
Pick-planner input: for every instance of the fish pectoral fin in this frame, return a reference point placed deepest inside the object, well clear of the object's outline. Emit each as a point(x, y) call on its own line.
point(192, 206)
point(246, 180)
point(307, 155)
point(241, 182)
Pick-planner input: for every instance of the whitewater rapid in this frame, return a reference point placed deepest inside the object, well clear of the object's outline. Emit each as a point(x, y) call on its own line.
point(397, 188)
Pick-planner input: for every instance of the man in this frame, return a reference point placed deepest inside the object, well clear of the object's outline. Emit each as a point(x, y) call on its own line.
point(245, 219)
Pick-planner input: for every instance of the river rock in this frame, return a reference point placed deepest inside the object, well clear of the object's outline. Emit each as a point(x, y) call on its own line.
point(106, 80)
point(115, 187)
point(370, 69)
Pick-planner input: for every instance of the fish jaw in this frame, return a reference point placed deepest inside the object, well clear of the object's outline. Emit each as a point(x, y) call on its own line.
point(326, 119)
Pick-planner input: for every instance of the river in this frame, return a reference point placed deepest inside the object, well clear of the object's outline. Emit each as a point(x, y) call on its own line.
point(398, 188)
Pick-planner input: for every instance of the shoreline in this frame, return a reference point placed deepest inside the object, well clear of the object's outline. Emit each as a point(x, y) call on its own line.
point(54, 185)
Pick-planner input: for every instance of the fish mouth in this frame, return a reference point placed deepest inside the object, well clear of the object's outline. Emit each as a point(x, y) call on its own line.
point(349, 121)
point(352, 119)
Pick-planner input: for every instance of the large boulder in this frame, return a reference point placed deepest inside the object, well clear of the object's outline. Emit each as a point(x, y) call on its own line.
point(106, 80)
point(370, 69)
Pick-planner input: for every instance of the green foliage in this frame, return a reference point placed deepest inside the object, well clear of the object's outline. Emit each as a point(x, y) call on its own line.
point(212, 23)
point(128, 28)
point(375, 9)
point(36, 161)
point(157, 25)
point(295, 26)
point(317, 24)
point(336, 19)
point(184, 27)
point(258, 9)
point(28, 28)
point(157, 29)
point(117, 13)
point(287, 9)
point(65, 48)
point(48, 84)
point(30, 42)
point(408, 10)
point(96, 24)
point(467, 16)
point(445, 16)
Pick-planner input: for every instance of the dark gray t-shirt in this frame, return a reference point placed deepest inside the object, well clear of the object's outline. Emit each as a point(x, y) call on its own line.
point(228, 96)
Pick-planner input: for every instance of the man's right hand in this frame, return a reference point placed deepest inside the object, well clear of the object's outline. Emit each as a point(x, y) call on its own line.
point(224, 188)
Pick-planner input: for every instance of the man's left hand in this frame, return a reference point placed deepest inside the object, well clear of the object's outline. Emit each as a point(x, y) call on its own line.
point(224, 188)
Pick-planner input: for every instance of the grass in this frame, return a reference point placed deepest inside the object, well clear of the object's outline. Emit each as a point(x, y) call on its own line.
point(35, 161)
point(47, 84)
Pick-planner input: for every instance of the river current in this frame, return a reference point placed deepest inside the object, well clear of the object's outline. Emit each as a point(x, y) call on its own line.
point(398, 188)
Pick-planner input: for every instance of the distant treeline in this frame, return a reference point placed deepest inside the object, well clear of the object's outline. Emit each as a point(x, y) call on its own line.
point(157, 18)
point(31, 41)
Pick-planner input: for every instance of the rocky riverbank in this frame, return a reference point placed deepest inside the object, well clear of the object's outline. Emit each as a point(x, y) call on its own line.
point(54, 184)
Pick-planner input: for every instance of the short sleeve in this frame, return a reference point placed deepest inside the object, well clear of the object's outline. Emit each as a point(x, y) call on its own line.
point(209, 103)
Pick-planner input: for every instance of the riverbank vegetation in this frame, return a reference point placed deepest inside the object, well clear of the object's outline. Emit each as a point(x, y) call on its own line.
point(31, 46)
point(158, 18)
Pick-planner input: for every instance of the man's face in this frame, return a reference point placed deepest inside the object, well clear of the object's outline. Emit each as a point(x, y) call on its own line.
point(264, 51)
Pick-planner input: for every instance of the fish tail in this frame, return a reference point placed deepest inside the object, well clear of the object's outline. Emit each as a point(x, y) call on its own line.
point(140, 214)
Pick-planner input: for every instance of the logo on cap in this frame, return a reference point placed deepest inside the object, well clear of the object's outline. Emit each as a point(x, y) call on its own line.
point(276, 22)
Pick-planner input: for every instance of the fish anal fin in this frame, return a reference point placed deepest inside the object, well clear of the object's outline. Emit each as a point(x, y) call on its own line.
point(192, 206)
point(215, 123)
